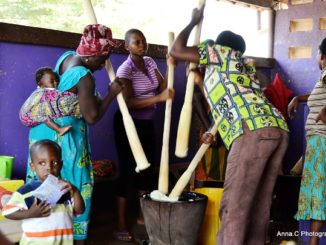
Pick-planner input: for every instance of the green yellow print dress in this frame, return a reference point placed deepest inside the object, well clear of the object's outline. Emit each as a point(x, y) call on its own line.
point(77, 167)
point(233, 93)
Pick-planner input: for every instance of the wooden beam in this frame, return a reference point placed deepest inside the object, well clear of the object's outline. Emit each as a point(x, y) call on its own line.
point(41, 36)
point(252, 3)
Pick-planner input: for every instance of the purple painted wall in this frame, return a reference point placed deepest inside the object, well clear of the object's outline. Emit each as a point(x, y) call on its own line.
point(299, 75)
point(18, 64)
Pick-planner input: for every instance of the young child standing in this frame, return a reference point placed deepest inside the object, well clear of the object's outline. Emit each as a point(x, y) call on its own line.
point(41, 223)
point(312, 197)
point(144, 88)
point(47, 103)
point(251, 127)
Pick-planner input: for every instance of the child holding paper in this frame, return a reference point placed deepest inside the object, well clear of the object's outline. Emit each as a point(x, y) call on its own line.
point(41, 222)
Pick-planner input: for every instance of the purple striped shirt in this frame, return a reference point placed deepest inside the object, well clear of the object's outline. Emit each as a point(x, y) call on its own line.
point(144, 85)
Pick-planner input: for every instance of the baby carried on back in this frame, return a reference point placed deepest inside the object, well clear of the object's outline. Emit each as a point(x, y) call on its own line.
point(47, 103)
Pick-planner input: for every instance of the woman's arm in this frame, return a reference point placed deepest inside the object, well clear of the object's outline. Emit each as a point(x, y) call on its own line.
point(136, 103)
point(293, 105)
point(163, 81)
point(180, 50)
point(92, 109)
point(79, 204)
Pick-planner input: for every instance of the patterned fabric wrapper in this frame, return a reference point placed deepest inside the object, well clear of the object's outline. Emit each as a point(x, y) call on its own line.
point(48, 104)
point(95, 41)
point(312, 197)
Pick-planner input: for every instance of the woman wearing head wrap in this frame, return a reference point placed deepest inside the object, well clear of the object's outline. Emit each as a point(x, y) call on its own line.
point(75, 70)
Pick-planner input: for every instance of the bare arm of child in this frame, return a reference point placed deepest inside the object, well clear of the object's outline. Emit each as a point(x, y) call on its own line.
point(60, 130)
point(42, 209)
point(79, 204)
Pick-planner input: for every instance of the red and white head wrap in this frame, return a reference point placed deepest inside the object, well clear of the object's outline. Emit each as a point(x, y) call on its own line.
point(95, 41)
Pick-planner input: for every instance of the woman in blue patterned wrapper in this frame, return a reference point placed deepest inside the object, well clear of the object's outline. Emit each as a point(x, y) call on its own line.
point(75, 70)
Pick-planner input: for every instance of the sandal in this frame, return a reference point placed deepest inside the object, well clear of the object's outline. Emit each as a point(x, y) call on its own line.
point(123, 235)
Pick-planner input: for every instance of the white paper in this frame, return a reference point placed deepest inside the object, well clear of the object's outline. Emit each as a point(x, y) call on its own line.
point(50, 190)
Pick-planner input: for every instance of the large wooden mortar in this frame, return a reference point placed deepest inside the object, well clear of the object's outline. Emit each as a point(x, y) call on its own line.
point(174, 223)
